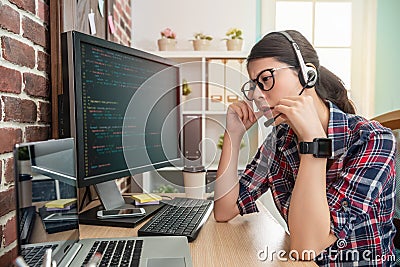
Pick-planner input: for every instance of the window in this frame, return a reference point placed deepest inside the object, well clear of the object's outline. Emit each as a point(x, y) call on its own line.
point(341, 31)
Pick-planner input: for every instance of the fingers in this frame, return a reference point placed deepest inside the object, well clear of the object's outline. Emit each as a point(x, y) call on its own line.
point(283, 109)
point(281, 119)
point(293, 100)
point(288, 102)
point(299, 102)
point(244, 111)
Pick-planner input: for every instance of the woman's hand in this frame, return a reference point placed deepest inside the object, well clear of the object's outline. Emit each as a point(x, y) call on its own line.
point(240, 117)
point(300, 113)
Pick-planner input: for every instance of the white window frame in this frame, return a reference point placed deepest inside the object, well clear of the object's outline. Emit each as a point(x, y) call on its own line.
point(363, 47)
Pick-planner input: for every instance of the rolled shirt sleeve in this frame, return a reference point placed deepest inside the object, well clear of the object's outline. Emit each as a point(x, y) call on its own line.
point(364, 187)
point(253, 182)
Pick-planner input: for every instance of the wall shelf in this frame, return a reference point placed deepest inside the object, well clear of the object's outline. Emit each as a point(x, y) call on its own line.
point(215, 78)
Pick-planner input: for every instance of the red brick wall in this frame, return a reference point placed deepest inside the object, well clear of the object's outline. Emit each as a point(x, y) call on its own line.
point(25, 108)
point(122, 21)
point(24, 98)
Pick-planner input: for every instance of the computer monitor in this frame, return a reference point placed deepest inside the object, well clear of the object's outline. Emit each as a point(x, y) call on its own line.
point(122, 107)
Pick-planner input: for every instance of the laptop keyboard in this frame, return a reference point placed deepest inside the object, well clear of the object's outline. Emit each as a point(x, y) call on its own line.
point(117, 252)
point(180, 217)
point(34, 255)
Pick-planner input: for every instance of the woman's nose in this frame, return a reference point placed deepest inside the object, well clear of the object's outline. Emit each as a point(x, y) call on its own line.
point(258, 93)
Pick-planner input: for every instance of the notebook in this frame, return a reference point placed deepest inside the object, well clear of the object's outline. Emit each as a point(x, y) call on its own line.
point(53, 161)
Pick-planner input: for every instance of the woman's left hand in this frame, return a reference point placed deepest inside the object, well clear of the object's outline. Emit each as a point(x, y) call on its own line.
point(300, 113)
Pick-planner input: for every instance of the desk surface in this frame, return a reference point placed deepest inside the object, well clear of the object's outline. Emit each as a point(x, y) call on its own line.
point(235, 243)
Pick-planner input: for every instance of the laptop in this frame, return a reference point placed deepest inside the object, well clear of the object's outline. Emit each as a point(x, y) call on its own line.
point(45, 173)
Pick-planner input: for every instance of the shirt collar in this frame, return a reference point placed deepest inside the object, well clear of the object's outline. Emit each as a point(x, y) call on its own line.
point(337, 131)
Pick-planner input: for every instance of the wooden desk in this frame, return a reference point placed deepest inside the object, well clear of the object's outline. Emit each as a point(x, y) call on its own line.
point(235, 243)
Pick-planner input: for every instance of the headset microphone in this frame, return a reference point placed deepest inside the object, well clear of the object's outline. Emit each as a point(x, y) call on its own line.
point(269, 122)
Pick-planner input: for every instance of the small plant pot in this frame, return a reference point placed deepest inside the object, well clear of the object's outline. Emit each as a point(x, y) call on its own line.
point(234, 44)
point(166, 44)
point(201, 44)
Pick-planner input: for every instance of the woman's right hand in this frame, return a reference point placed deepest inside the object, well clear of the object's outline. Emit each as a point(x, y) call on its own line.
point(240, 117)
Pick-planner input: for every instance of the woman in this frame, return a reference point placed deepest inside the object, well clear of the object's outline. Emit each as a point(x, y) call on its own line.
point(331, 172)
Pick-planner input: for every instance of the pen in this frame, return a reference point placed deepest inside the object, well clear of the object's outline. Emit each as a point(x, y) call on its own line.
point(47, 261)
point(20, 262)
point(94, 260)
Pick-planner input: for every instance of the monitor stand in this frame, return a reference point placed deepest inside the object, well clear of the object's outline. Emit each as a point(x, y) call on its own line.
point(111, 198)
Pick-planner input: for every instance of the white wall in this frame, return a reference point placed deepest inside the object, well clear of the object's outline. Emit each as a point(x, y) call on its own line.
point(213, 17)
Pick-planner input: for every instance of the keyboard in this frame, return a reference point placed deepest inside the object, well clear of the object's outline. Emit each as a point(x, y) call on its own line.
point(179, 217)
point(117, 252)
point(33, 256)
point(27, 221)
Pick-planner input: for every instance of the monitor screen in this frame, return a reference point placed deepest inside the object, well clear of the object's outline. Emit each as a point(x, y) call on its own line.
point(123, 108)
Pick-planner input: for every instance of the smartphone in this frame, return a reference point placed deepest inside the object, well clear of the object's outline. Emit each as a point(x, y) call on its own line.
point(120, 213)
point(59, 217)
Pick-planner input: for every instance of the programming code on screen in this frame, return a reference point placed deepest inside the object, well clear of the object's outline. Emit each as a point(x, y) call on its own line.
point(109, 81)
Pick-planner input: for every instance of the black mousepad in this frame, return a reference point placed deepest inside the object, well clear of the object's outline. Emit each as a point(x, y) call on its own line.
point(90, 216)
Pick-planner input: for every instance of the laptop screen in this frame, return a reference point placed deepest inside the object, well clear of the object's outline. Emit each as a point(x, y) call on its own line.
point(46, 194)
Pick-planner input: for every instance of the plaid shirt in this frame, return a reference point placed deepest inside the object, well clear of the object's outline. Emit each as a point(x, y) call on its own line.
point(360, 187)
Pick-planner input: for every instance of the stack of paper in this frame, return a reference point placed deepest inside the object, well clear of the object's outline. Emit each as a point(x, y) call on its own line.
point(60, 203)
point(146, 199)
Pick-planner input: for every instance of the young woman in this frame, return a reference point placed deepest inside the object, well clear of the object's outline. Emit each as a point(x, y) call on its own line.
point(331, 172)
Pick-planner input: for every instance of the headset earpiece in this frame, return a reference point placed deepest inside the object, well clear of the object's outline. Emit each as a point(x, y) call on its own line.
point(312, 76)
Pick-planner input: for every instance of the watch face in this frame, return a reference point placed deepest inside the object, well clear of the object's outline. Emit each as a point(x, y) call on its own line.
point(324, 148)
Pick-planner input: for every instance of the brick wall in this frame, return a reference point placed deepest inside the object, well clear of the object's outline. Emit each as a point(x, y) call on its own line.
point(122, 21)
point(24, 98)
point(122, 35)
point(25, 108)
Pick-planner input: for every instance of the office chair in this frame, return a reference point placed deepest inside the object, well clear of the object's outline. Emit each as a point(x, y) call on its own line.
point(392, 120)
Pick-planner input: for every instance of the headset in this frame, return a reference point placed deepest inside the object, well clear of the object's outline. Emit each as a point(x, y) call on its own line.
point(308, 75)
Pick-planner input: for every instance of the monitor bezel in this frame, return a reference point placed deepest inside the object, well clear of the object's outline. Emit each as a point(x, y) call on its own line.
point(74, 39)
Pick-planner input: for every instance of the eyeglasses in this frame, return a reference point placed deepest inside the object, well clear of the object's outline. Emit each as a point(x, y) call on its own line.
point(265, 81)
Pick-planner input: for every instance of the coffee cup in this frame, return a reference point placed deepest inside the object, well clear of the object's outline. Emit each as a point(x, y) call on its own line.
point(194, 180)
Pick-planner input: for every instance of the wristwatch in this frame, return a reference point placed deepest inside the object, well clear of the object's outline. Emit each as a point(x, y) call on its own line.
point(320, 147)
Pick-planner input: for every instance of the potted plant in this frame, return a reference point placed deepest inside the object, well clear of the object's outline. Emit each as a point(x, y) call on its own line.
point(201, 41)
point(167, 41)
point(234, 42)
point(186, 90)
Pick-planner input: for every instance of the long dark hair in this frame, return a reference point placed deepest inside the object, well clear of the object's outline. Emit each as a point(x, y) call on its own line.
point(328, 86)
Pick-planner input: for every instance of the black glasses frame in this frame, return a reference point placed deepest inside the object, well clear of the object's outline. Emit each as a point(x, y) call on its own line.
point(254, 83)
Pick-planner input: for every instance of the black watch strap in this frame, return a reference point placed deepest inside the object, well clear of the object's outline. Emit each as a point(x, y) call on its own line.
point(308, 147)
point(320, 147)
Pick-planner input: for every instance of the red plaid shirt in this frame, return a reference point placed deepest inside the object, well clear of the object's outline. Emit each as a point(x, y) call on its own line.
point(360, 186)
